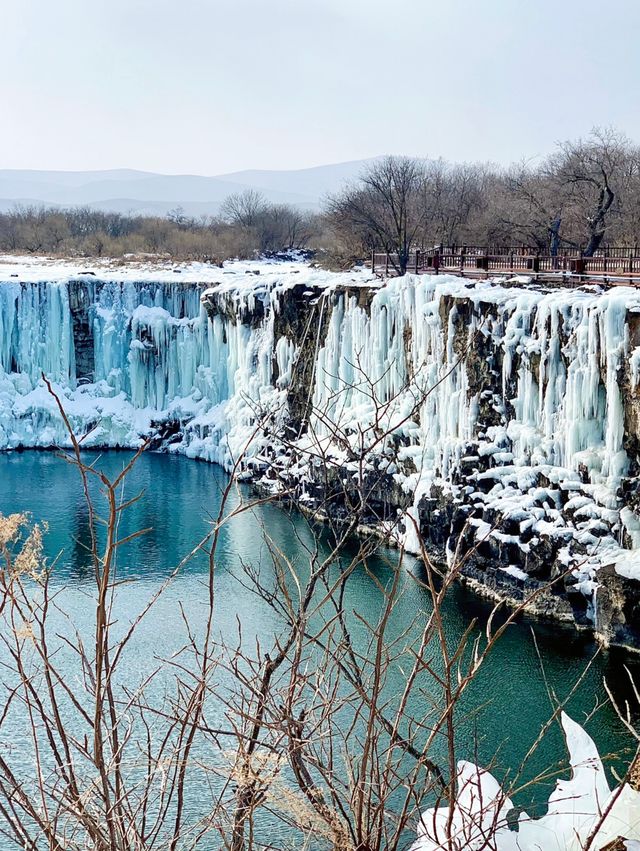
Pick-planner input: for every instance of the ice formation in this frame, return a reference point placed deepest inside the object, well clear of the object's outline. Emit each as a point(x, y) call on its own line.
point(578, 807)
point(522, 387)
point(157, 356)
point(507, 396)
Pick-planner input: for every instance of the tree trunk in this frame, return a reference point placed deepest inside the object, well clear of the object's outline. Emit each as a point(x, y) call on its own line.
point(597, 224)
point(554, 237)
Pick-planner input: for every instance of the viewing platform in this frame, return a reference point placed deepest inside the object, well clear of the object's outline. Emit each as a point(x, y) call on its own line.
point(616, 266)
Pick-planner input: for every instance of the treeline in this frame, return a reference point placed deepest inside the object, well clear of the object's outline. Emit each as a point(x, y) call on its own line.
point(582, 197)
point(585, 195)
point(246, 226)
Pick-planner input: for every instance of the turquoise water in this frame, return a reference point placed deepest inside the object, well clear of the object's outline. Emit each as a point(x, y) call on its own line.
point(502, 711)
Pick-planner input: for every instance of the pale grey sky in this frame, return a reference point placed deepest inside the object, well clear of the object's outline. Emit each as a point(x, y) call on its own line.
point(211, 86)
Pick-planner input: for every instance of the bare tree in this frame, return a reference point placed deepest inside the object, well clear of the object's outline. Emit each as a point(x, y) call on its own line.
point(532, 209)
point(595, 173)
point(457, 199)
point(320, 733)
point(244, 208)
point(584, 196)
point(387, 207)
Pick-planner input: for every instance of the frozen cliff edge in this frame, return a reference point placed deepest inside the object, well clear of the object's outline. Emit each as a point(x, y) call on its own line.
point(500, 419)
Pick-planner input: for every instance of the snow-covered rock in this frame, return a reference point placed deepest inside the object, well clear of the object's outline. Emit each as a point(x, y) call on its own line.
point(578, 806)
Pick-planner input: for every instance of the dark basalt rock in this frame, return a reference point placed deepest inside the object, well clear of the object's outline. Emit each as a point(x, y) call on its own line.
point(617, 614)
point(535, 560)
point(81, 300)
point(235, 310)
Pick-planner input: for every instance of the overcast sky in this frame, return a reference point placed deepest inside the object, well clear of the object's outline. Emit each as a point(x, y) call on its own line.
point(212, 86)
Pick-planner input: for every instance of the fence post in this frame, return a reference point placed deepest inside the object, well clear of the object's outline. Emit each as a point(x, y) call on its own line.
point(631, 268)
point(373, 261)
point(386, 265)
point(436, 261)
point(417, 260)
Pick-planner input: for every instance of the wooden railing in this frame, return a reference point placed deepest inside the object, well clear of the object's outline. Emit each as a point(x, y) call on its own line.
point(616, 265)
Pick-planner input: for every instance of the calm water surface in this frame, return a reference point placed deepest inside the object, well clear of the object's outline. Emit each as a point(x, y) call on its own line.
point(503, 710)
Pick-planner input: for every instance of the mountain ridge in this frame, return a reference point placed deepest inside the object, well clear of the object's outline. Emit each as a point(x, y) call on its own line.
point(143, 192)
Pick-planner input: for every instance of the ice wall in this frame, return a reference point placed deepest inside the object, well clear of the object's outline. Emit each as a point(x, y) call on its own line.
point(157, 357)
point(35, 332)
point(506, 409)
point(425, 358)
point(512, 411)
point(552, 365)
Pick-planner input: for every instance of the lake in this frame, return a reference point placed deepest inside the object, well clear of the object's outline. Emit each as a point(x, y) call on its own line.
point(504, 708)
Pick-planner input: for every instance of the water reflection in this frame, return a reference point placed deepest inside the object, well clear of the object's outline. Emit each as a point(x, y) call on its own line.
point(80, 564)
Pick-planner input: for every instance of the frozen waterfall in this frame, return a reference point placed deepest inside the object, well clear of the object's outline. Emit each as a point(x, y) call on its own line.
point(537, 393)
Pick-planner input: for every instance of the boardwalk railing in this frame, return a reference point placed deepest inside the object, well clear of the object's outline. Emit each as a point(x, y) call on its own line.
point(610, 265)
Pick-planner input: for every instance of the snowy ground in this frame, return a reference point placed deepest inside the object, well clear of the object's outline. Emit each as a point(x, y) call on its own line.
point(32, 269)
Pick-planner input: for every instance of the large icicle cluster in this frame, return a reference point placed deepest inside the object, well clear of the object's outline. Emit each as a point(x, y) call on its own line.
point(553, 349)
point(157, 357)
point(578, 807)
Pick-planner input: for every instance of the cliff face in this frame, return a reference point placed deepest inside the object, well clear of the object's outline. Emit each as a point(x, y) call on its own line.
point(502, 422)
point(498, 423)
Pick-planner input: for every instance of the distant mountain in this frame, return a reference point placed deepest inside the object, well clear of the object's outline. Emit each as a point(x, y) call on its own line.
point(130, 191)
point(314, 182)
point(71, 178)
